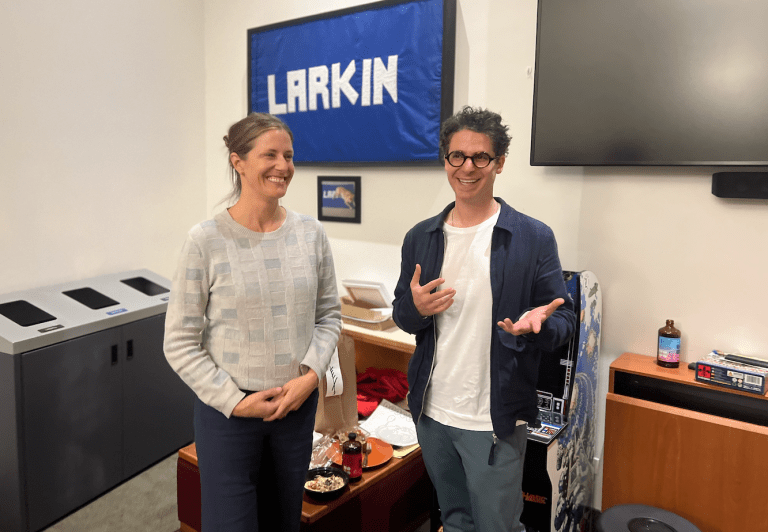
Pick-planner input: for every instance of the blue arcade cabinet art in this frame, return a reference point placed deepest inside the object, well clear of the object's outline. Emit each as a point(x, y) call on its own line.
point(559, 475)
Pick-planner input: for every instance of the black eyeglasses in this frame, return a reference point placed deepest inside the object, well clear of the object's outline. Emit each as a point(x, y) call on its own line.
point(480, 160)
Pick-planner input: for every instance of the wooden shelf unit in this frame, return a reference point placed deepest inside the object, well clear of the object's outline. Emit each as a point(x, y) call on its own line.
point(665, 448)
point(381, 349)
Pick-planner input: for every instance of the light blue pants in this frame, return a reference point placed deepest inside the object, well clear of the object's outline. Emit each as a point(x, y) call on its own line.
point(473, 495)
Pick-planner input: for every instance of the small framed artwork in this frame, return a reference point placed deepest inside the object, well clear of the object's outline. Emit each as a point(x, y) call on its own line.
point(338, 199)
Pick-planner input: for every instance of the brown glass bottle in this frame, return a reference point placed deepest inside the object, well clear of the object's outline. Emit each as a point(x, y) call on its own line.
point(352, 458)
point(668, 347)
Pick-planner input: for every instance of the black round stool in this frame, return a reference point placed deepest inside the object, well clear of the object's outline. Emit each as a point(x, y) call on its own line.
point(641, 518)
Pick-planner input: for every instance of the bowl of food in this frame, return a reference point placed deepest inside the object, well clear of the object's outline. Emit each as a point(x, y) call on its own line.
point(325, 483)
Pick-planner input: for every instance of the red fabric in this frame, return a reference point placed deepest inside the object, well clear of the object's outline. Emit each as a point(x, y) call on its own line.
point(375, 384)
point(365, 408)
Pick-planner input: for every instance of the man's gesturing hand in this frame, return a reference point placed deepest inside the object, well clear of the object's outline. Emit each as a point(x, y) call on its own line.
point(532, 321)
point(428, 303)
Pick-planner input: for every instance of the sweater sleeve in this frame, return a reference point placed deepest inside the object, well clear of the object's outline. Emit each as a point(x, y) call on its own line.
point(185, 327)
point(325, 334)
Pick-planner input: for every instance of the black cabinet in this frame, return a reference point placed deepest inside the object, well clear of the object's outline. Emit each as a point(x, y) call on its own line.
point(96, 410)
point(71, 424)
point(157, 404)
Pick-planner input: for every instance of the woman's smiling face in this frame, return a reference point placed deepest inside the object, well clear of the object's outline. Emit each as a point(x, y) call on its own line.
point(267, 169)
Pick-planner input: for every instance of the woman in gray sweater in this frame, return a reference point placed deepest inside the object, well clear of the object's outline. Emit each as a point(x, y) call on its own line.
point(253, 319)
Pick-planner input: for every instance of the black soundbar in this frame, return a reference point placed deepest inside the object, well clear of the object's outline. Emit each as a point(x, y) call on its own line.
point(743, 185)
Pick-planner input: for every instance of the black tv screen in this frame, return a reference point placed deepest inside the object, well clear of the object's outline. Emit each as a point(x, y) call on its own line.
point(652, 82)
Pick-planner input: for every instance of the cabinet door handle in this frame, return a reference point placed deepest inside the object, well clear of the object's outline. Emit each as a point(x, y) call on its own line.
point(114, 354)
point(129, 349)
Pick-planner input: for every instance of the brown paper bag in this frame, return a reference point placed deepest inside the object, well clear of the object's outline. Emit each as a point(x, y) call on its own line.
point(339, 412)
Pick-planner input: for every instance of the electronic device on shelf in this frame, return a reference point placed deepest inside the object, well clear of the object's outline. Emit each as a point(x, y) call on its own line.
point(729, 371)
point(749, 361)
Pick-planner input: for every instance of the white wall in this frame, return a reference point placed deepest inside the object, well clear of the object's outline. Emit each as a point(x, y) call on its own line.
point(111, 148)
point(101, 143)
point(660, 244)
point(663, 247)
point(394, 199)
point(360, 250)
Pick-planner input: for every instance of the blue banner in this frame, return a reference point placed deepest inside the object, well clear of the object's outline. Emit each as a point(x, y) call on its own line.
point(355, 86)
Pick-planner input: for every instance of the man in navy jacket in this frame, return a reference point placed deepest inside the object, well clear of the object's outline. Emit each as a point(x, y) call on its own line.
point(482, 289)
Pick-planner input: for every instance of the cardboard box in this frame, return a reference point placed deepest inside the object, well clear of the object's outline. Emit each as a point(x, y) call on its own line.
point(385, 325)
point(367, 305)
point(715, 369)
point(361, 310)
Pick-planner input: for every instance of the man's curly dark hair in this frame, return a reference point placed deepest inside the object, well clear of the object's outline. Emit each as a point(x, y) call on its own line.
point(480, 121)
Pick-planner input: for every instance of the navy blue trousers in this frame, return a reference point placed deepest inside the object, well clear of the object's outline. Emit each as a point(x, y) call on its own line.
point(252, 472)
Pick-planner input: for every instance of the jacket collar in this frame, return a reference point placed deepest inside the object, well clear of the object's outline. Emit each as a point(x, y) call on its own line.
point(506, 220)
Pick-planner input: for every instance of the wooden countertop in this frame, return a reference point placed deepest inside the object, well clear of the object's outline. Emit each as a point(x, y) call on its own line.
point(394, 338)
point(646, 365)
point(313, 510)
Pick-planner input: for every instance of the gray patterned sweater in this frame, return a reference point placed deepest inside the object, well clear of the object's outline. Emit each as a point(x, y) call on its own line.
point(250, 311)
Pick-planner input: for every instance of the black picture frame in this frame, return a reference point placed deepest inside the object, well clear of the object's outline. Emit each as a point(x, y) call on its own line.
point(338, 199)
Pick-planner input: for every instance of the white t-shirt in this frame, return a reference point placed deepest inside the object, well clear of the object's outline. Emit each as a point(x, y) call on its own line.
point(459, 393)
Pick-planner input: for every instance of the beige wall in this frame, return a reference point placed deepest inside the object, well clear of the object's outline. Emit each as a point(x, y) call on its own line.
point(111, 149)
point(101, 137)
point(661, 245)
point(394, 199)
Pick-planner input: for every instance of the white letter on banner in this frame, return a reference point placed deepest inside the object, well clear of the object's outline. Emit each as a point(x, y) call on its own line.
point(318, 84)
point(297, 88)
point(366, 88)
point(274, 108)
point(341, 84)
point(384, 77)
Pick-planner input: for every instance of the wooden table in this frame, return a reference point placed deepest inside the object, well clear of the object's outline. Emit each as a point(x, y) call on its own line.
point(396, 496)
point(684, 446)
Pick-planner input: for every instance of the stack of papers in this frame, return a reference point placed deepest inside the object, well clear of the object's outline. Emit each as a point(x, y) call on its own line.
point(392, 424)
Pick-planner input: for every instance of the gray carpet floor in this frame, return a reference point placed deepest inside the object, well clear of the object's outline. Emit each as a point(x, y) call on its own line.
point(147, 502)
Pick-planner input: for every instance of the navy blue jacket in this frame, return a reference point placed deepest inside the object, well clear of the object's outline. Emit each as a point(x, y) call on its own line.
point(525, 274)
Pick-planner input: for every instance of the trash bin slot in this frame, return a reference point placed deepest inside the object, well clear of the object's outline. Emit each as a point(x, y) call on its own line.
point(24, 313)
point(91, 298)
point(145, 286)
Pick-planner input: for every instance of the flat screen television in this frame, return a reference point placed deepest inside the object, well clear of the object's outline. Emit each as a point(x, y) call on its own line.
point(652, 82)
